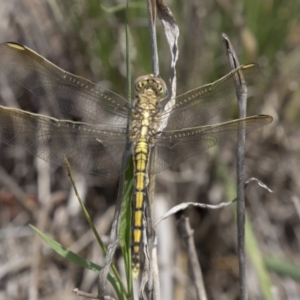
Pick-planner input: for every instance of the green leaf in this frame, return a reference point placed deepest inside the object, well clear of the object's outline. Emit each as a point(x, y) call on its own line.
point(86, 214)
point(77, 260)
point(64, 252)
point(126, 213)
point(125, 224)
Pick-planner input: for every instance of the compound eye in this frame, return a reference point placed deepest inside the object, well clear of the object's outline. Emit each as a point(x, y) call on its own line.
point(161, 87)
point(141, 82)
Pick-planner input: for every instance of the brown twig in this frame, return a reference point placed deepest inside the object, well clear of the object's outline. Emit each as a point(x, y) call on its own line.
point(241, 93)
point(90, 296)
point(14, 188)
point(44, 195)
point(188, 234)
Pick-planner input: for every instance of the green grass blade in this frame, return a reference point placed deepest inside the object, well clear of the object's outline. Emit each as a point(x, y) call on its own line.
point(256, 258)
point(125, 223)
point(86, 214)
point(282, 267)
point(78, 260)
point(91, 224)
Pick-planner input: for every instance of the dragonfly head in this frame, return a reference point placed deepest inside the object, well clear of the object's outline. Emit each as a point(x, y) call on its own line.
point(150, 83)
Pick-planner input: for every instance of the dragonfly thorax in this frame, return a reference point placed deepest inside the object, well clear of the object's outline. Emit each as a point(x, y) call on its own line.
point(145, 116)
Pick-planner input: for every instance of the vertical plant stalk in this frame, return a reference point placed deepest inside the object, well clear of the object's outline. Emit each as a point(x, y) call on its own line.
point(128, 177)
point(124, 197)
point(241, 93)
point(188, 235)
point(171, 32)
point(151, 5)
point(153, 283)
point(44, 196)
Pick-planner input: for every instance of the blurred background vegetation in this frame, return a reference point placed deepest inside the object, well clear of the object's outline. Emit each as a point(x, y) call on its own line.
point(87, 38)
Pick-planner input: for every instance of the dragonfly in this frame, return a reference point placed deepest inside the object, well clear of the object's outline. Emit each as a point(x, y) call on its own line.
point(95, 144)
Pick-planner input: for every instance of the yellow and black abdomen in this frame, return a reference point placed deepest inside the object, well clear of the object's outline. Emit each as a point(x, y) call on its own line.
point(141, 153)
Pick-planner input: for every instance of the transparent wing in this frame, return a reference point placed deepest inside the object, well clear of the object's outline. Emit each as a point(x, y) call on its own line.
point(73, 95)
point(197, 106)
point(174, 147)
point(95, 149)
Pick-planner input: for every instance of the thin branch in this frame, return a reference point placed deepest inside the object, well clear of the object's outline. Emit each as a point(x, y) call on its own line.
point(155, 271)
point(90, 296)
point(188, 234)
point(14, 188)
point(153, 42)
point(44, 196)
point(241, 93)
